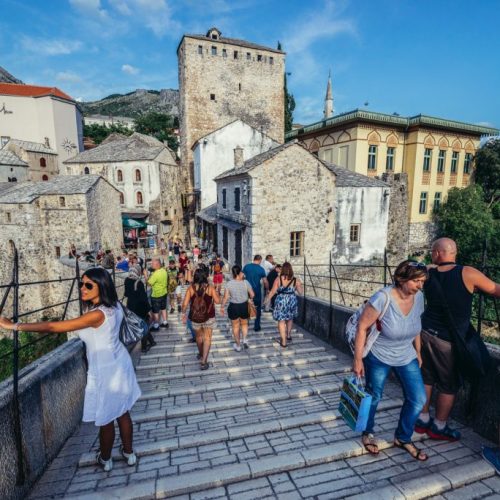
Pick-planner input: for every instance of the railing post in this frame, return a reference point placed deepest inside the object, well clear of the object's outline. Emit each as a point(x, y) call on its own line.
point(305, 301)
point(330, 325)
point(15, 373)
point(481, 298)
point(77, 278)
point(385, 267)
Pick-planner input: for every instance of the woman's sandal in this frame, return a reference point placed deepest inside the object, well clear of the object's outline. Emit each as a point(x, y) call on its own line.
point(278, 341)
point(204, 366)
point(410, 448)
point(289, 339)
point(370, 444)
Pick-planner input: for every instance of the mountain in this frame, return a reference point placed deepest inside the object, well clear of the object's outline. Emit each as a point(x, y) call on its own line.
point(135, 103)
point(6, 77)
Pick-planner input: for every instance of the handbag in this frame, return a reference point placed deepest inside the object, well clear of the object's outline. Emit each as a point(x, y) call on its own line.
point(132, 328)
point(351, 328)
point(354, 404)
point(252, 310)
point(473, 358)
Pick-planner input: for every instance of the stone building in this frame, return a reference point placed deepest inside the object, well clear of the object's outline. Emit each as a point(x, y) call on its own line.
point(265, 205)
point(41, 159)
point(43, 218)
point(222, 79)
point(43, 115)
point(144, 171)
point(109, 120)
point(435, 154)
point(12, 168)
point(213, 155)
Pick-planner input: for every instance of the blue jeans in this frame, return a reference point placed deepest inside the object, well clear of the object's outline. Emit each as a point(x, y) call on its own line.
point(413, 389)
point(190, 328)
point(257, 300)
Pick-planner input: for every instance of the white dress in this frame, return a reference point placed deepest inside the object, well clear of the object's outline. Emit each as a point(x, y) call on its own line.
point(112, 387)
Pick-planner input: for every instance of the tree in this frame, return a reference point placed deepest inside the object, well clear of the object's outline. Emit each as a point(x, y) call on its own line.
point(467, 219)
point(99, 132)
point(487, 171)
point(159, 125)
point(289, 103)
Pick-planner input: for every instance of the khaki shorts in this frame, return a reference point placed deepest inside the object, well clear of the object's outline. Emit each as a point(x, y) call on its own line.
point(438, 364)
point(210, 323)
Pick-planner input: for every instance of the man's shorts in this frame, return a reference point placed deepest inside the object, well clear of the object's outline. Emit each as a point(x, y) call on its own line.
point(438, 364)
point(178, 290)
point(218, 278)
point(159, 304)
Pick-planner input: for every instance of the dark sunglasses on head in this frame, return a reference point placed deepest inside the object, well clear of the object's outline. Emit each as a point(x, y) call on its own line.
point(417, 264)
point(86, 284)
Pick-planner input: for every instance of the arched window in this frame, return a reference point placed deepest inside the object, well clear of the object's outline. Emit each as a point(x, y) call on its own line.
point(86, 171)
point(138, 176)
point(138, 198)
point(122, 199)
point(45, 177)
point(119, 176)
point(43, 162)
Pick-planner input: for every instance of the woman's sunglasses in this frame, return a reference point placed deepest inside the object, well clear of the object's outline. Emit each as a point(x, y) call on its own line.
point(417, 264)
point(86, 284)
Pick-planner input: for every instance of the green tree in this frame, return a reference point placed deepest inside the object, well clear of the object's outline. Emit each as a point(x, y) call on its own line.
point(100, 132)
point(487, 171)
point(159, 125)
point(466, 218)
point(289, 103)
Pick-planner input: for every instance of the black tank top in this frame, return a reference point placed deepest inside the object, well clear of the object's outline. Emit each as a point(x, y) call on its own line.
point(459, 301)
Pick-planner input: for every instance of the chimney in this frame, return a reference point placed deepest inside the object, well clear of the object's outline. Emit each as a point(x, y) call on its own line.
point(238, 157)
point(47, 142)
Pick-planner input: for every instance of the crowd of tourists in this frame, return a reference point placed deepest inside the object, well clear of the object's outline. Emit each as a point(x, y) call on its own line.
point(418, 319)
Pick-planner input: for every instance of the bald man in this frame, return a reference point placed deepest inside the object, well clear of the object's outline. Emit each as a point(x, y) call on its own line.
point(439, 368)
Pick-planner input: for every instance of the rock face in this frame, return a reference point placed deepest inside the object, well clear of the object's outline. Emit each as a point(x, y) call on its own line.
point(135, 103)
point(6, 77)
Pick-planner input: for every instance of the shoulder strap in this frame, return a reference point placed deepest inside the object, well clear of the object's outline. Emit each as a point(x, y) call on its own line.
point(386, 305)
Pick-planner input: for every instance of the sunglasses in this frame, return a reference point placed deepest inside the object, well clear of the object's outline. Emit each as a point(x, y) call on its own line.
point(86, 284)
point(417, 264)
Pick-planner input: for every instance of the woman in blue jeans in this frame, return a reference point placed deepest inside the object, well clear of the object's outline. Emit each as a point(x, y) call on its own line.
point(397, 348)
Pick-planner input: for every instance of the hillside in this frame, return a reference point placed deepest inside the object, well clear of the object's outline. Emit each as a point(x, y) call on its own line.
point(135, 103)
point(6, 77)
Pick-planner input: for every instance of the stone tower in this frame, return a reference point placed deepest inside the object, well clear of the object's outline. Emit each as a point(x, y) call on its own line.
point(328, 111)
point(222, 79)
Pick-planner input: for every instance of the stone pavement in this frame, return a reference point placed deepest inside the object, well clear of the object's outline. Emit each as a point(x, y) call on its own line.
point(262, 423)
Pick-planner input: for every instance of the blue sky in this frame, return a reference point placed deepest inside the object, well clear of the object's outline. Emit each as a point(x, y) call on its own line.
point(407, 56)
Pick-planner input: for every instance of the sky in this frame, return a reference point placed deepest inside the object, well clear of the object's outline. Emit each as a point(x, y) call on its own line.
point(433, 57)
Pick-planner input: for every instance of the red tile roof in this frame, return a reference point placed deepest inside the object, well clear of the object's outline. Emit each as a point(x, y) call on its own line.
point(31, 91)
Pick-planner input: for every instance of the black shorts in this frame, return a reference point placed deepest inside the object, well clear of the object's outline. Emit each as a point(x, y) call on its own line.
point(237, 311)
point(438, 364)
point(158, 304)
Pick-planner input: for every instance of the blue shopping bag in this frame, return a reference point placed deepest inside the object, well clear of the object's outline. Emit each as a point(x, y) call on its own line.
point(354, 405)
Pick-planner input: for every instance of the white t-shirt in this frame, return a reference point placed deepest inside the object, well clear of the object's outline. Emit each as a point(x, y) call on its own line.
point(267, 266)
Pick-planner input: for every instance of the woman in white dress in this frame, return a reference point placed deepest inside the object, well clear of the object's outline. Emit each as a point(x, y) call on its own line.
point(112, 387)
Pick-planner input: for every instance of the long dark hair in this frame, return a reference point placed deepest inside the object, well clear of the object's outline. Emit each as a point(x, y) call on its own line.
point(107, 291)
point(200, 280)
point(236, 270)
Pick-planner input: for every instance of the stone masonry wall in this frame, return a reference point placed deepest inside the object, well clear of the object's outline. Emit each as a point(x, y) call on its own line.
point(421, 235)
point(249, 89)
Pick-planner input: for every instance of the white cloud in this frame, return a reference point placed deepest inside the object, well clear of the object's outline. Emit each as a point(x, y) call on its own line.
point(130, 70)
point(68, 76)
point(121, 6)
point(50, 47)
point(91, 8)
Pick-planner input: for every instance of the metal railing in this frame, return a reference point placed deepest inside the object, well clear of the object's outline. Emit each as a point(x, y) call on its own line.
point(324, 280)
point(12, 289)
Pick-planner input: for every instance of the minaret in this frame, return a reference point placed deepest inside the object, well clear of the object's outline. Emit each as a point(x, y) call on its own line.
point(328, 112)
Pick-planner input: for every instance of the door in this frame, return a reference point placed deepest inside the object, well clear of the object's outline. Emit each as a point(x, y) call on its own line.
point(237, 247)
point(224, 242)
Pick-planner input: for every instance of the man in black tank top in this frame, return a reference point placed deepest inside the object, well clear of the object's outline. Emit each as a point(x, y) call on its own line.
point(439, 367)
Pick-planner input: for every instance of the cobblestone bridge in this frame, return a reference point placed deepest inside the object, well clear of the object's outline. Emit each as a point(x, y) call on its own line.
point(262, 423)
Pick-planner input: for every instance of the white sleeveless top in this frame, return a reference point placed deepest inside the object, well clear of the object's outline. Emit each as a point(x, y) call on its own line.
point(112, 387)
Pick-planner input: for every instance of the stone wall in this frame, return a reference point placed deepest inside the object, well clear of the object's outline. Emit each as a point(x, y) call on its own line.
point(421, 235)
point(217, 89)
point(51, 392)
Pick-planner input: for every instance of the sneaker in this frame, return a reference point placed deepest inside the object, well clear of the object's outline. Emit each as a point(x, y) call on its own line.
point(155, 328)
point(422, 427)
point(492, 456)
point(171, 310)
point(107, 465)
point(164, 325)
point(257, 329)
point(446, 434)
point(245, 343)
point(179, 309)
point(236, 347)
point(130, 458)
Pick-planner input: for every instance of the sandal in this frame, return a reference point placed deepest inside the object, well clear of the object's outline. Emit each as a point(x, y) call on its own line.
point(204, 366)
point(410, 448)
point(370, 444)
point(278, 341)
point(289, 339)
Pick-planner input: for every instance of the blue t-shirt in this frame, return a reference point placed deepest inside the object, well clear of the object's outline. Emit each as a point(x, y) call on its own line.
point(253, 274)
point(394, 345)
point(122, 265)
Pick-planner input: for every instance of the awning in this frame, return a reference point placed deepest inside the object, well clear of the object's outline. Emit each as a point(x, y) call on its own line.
point(230, 224)
point(133, 224)
point(208, 214)
point(135, 215)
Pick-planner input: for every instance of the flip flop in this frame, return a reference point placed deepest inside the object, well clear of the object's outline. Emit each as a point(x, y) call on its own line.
point(278, 341)
point(368, 441)
point(412, 450)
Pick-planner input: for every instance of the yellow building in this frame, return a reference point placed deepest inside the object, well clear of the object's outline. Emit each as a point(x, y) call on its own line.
point(436, 154)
